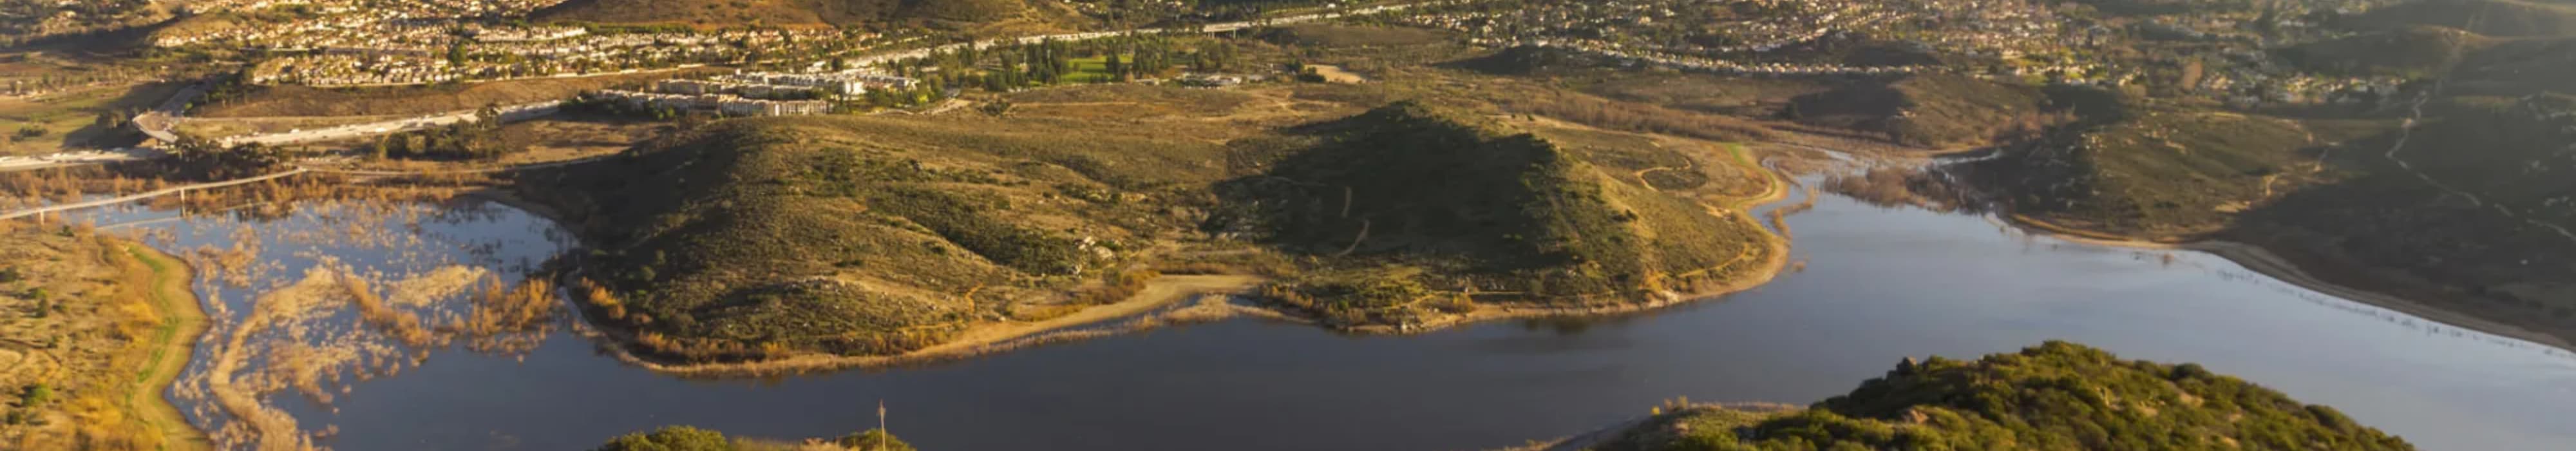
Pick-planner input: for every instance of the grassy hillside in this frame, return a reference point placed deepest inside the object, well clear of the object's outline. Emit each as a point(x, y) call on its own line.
point(863, 235)
point(2055, 396)
point(777, 12)
point(1932, 110)
point(2409, 52)
point(90, 333)
point(2500, 18)
point(1484, 207)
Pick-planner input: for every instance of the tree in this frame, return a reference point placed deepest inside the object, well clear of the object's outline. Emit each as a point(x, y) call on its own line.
point(1116, 71)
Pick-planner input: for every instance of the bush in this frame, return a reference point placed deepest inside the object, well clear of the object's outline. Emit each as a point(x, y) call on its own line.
point(873, 440)
point(670, 438)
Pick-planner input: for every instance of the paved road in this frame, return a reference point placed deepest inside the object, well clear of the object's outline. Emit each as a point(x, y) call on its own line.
point(508, 113)
point(1209, 28)
point(162, 192)
point(523, 167)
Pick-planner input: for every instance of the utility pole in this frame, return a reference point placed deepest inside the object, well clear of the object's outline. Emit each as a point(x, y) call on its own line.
point(881, 425)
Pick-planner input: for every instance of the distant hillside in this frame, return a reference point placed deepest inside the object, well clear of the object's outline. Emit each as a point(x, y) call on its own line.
point(1931, 110)
point(777, 12)
point(2517, 68)
point(2153, 172)
point(2500, 18)
point(2473, 210)
point(1484, 205)
point(2485, 213)
point(1533, 60)
point(2409, 52)
point(2055, 396)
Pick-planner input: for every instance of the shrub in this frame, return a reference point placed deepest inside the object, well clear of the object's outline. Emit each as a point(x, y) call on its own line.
point(670, 438)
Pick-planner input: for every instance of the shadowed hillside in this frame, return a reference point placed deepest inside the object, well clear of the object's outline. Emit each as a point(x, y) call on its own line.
point(2500, 18)
point(2409, 52)
point(2057, 396)
point(1933, 110)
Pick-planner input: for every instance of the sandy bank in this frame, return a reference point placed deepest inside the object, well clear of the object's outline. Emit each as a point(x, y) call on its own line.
point(978, 340)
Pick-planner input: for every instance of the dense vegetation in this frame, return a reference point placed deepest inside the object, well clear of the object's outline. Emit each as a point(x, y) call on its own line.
point(2055, 396)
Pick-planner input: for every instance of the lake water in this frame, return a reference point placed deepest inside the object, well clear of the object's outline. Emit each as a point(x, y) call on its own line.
point(1879, 285)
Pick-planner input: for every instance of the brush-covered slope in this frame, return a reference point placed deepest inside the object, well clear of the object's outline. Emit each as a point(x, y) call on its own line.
point(2055, 396)
point(1484, 207)
point(1931, 110)
point(2155, 173)
point(2517, 68)
point(859, 235)
point(2484, 209)
point(2499, 18)
point(777, 12)
point(2408, 52)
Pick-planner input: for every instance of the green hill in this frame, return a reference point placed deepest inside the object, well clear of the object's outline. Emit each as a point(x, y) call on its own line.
point(777, 12)
point(862, 235)
point(2410, 52)
point(1482, 205)
point(1932, 110)
point(2500, 18)
point(2055, 396)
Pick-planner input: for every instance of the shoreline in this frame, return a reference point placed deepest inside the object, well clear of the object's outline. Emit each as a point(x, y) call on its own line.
point(2263, 261)
point(183, 325)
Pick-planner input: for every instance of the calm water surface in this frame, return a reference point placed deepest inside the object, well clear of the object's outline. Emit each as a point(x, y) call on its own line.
point(1881, 285)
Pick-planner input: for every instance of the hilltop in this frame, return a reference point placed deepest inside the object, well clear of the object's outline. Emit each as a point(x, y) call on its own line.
point(778, 12)
point(2056, 395)
point(1428, 206)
